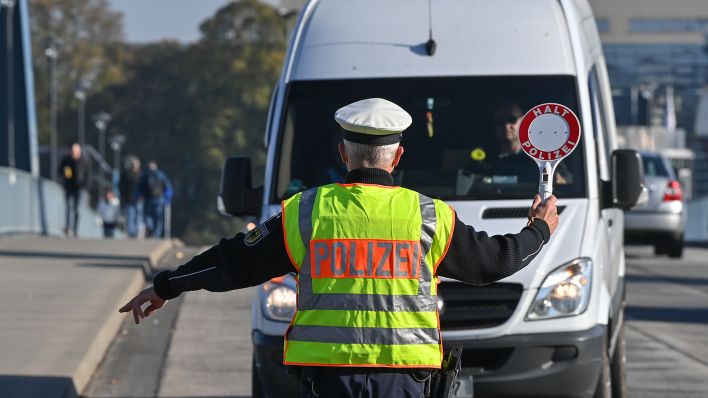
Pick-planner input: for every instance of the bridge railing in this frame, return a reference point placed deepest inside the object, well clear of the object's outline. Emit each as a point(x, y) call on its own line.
point(102, 175)
point(35, 205)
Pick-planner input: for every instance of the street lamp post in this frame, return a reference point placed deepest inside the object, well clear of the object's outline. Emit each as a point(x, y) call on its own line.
point(647, 91)
point(117, 142)
point(80, 95)
point(634, 97)
point(51, 53)
point(101, 120)
point(9, 12)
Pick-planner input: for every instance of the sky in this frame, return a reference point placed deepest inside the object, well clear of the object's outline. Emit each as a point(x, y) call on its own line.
point(153, 20)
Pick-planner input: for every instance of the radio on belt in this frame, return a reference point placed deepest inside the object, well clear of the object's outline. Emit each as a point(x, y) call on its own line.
point(548, 133)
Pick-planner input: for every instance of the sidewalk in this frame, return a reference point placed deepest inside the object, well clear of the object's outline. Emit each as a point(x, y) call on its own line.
point(210, 353)
point(59, 303)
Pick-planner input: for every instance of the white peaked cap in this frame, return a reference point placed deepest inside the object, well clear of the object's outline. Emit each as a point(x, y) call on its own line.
point(373, 117)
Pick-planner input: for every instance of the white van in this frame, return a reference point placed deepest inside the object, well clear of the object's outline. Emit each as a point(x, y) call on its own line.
point(556, 327)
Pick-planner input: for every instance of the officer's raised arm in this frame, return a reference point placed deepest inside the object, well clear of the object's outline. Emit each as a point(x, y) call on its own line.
point(477, 258)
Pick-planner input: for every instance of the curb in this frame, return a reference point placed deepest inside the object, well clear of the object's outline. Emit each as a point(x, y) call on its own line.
point(163, 249)
point(108, 331)
point(68, 376)
point(82, 376)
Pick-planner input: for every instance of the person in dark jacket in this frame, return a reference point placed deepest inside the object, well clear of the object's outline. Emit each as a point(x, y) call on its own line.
point(75, 174)
point(156, 191)
point(128, 186)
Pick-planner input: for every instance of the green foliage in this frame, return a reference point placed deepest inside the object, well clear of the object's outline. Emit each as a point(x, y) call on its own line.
point(87, 37)
point(191, 107)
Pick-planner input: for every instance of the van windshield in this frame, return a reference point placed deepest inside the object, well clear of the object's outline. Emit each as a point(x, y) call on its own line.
point(462, 145)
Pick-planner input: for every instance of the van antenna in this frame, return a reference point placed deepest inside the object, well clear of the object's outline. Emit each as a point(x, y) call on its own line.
point(430, 45)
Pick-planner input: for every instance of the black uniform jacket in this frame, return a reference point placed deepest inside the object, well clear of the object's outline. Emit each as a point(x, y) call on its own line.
point(249, 260)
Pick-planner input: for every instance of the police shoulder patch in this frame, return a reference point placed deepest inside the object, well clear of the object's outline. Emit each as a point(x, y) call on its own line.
point(255, 235)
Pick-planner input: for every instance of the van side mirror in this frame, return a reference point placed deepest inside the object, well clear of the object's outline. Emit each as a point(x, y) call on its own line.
point(237, 197)
point(627, 178)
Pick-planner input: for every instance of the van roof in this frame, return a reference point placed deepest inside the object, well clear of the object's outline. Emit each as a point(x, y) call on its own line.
point(342, 39)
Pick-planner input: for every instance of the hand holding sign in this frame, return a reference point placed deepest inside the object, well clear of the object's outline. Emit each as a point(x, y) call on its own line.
point(548, 133)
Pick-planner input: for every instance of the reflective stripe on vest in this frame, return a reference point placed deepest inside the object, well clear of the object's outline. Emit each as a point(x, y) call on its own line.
point(366, 257)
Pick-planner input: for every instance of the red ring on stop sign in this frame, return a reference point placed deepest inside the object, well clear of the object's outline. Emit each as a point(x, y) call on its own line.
point(572, 138)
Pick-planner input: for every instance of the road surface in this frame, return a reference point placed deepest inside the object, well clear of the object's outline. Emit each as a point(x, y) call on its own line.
point(200, 345)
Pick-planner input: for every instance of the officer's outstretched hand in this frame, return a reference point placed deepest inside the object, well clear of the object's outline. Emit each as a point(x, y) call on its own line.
point(545, 211)
point(137, 302)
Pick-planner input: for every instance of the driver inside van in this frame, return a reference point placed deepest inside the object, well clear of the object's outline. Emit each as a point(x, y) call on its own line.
point(509, 159)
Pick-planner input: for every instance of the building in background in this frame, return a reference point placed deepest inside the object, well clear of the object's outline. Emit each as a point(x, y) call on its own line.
point(651, 47)
point(657, 58)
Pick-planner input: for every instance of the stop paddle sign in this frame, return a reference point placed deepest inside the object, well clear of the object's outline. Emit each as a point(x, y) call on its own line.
point(548, 133)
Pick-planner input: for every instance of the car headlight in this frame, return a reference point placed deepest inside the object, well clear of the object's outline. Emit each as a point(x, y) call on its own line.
point(564, 292)
point(278, 302)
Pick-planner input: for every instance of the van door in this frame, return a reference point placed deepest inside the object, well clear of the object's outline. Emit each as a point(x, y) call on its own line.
point(611, 218)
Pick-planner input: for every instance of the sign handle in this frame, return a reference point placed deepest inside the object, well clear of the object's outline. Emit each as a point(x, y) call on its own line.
point(545, 186)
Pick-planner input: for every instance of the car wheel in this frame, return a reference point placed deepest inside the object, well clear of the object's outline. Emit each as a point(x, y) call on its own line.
point(676, 248)
point(660, 249)
point(618, 366)
point(604, 382)
point(256, 390)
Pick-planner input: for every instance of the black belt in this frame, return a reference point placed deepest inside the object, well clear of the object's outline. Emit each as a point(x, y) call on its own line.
point(300, 371)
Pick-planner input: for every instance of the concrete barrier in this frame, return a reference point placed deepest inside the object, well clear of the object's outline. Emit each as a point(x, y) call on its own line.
point(59, 303)
point(34, 205)
point(697, 222)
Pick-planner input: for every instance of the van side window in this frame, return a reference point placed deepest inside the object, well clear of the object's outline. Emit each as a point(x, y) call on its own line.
point(599, 124)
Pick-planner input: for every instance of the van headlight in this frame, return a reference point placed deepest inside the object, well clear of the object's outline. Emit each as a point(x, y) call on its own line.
point(564, 292)
point(278, 302)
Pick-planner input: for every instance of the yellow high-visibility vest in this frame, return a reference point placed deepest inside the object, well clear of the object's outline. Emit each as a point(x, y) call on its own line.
point(366, 257)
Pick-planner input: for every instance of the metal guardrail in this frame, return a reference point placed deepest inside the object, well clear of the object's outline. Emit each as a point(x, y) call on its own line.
point(30, 204)
point(102, 173)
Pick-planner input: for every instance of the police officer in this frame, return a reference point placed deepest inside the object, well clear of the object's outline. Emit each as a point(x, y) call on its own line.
point(367, 255)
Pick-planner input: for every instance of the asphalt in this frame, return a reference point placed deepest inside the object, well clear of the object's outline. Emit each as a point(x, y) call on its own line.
point(667, 328)
point(667, 337)
point(58, 308)
point(133, 364)
point(199, 344)
point(210, 353)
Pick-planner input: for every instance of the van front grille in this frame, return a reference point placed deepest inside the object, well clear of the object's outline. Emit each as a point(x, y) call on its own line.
point(509, 212)
point(477, 307)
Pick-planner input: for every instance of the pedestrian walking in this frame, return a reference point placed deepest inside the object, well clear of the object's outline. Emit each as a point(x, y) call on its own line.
point(75, 174)
point(128, 186)
point(156, 191)
point(367, 255)
point(109, 210)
